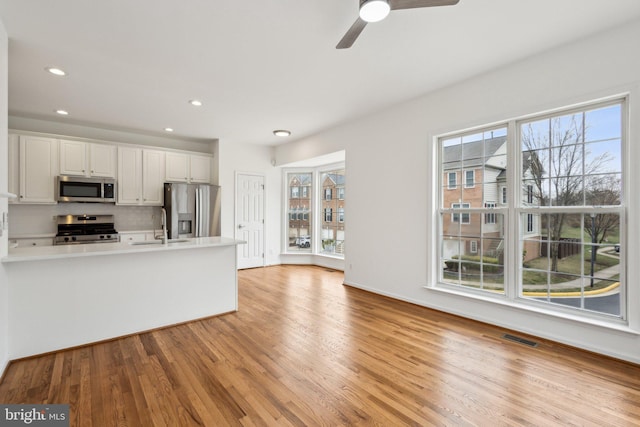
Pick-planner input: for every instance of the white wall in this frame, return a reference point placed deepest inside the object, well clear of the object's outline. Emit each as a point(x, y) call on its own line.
point(249, 158)
point(4, 289)
point(392, 153)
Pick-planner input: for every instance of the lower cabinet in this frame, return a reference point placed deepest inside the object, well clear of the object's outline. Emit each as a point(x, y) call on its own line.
point(27, 242)
point(132, 237)
point(136, 236)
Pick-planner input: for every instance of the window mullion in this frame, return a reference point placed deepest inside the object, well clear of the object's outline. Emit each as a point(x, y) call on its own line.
point(511, 219)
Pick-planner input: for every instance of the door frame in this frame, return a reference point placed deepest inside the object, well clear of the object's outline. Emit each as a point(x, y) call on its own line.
point(264, 210)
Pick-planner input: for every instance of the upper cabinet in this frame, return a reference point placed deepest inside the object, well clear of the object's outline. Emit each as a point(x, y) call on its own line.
point(192, 168)
point(37, 169)
point(87, 159)
point(140, 176)
point(200, 168)
point(14, 169)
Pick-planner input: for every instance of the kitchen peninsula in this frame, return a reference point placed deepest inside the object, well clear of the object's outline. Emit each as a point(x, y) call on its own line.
point(66, 296)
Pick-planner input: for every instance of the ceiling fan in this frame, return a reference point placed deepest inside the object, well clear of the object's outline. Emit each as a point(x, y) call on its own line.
point(377, 10)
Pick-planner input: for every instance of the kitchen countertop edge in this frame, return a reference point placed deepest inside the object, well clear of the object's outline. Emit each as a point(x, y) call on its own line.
point(100, 249)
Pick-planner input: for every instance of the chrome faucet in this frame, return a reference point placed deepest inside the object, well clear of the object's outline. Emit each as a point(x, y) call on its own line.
point(165, 239)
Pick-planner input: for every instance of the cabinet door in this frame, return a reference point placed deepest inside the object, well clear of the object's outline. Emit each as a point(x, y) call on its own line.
point(153, 164)
point(132, 237)
point(200, 169)
point(73, 158)
point(26, 243)
point(102, 160)
point(177, 169)
point(38, 169)
point(14, 170)
point(129, 175)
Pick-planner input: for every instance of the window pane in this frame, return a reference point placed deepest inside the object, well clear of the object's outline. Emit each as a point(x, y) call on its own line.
point(299, 205)
point(472, 254)
point(603, 123)
point(332, 205)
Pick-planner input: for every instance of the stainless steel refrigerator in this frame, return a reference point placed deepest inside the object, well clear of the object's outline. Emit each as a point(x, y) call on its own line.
point(193, 210)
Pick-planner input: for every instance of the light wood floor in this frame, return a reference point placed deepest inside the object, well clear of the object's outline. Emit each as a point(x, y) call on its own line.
point(306, 350)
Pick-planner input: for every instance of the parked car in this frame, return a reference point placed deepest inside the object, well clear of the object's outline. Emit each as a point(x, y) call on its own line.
point(303, 241)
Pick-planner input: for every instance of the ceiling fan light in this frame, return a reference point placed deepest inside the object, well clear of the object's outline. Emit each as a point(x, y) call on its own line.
point(374, 10)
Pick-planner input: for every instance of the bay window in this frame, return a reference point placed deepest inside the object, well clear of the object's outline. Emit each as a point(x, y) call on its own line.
point(320, 190)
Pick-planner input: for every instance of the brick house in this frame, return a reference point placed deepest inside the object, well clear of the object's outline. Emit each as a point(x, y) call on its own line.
point(474, 176)
point(300, 193)
point(333, 203)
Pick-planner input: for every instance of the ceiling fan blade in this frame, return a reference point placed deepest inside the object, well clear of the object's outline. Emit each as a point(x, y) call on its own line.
point(352, 34)
point(412, 4)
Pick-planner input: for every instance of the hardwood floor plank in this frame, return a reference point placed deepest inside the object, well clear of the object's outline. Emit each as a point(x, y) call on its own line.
point(306, 350)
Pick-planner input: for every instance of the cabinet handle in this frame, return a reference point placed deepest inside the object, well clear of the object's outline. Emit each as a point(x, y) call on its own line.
point(33, 244)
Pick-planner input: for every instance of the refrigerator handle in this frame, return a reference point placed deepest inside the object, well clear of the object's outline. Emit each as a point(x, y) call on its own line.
point(198, 213)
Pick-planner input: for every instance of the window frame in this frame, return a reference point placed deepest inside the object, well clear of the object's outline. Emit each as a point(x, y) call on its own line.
point(473, 178)
point(455, 180)
point(316, 198)
point(514, 204)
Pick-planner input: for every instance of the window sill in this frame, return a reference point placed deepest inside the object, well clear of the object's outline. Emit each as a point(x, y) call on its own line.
point(520, 304)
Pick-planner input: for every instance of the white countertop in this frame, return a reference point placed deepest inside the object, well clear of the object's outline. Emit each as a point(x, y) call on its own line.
point(99, 249)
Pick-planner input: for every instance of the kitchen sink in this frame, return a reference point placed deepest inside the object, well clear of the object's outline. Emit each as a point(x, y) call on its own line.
point(157, 242)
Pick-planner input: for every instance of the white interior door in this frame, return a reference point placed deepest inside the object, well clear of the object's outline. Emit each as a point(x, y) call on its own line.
point(250, 219)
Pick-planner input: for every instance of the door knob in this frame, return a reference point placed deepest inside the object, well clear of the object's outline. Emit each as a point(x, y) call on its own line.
point(240, 226)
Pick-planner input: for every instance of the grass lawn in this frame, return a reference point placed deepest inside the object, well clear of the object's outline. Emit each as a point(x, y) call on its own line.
point(569, 268)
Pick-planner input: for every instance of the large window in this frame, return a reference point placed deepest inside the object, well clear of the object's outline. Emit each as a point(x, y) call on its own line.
point(565, 175)
point(320, 190)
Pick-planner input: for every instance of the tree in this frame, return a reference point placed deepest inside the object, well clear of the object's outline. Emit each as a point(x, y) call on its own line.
point(557, 161)
point(602, 191)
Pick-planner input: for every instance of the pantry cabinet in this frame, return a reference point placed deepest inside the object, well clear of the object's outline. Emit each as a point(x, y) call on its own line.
point(87, 159)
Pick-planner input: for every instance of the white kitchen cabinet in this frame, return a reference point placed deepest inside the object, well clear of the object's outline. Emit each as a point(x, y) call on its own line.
point(38, 168)
point(177, 167)
point(129, 175)
point(183, 167)
point(14, 170)
point(30, 242)
point(153, 165)
point(200, 168)
point(128, 237)
point(87, 159)
point(140, 176)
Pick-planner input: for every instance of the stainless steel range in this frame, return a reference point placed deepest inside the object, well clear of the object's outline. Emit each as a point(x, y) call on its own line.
point(76, 229)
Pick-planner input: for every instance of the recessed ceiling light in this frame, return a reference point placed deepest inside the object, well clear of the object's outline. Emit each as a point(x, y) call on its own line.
point(195, 103)
point(168, 129)
point(56, 71)
point(62, 112)
point(282, 132)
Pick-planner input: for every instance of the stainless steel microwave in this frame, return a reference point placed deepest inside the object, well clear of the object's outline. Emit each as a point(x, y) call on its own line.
point(80, 189)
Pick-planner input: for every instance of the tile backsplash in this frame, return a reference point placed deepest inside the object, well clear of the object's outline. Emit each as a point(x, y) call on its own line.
point(41, 219)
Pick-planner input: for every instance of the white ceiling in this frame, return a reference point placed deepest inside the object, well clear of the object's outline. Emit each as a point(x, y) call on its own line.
point(260, 65)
